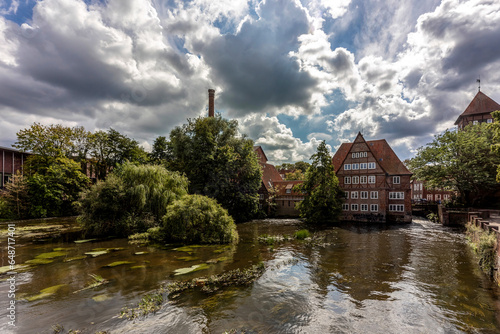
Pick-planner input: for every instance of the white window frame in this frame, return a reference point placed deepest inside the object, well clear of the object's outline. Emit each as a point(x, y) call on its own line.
point(347, 167)
point(396, 207)
point(355, 166)
point(396, 180)
point(396, 195)
point(374, 194)
point(374, 207)
point(371, 165)
point(363, 194)
point(357, 154)
point(354, 207)
point(489, 120)
point(354, 194)
point(429, 197)
point(363, 179)
point(353, 155)
point(363, 165)
point(346, 194)
point(364, 207)
point(345, 207)
point(371, 179)
point(355, 180)
point(347, 180)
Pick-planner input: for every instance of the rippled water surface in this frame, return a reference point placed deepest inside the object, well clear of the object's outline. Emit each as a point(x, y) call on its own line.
point(417, 278)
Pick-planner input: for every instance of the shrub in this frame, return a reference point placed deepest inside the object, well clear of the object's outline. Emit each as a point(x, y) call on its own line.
point(302, 234)
point(484, 244)
point(196, 219)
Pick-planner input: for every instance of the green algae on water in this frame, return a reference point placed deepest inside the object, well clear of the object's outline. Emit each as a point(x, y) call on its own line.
point(39, 261)
point(192, 269)
point(188, 258)
point(47, 292)
point(138, 267)
point(97, 253)
point(101, 298)
point(117, 263)
point(51, 255)
point(17, 268)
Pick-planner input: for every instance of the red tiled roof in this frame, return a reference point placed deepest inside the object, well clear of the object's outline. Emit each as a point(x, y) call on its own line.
point(282, 186)
point(480, 104)
point(269, 175)
point(381, 150)
point(257, 148)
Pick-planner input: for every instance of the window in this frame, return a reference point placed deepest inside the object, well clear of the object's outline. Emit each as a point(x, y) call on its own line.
point(364, 207)
point(446, 197)
point(429, 197)
point(438, 197)
point(415, 186)
point(289, 191)
point(371, 165)
point(475, 122)
point(374, 194)
point(355, 166)
point(347, 167)
point(362, 179)
point(374, 207)
point(346, 195)
point(357, 154)
point(365, 154)
point(489, 120)
point(354, 207)
point(371, 179)
point(345, 207)
point(363, 165)
point(396, 207)
point(364, 195)
point(395, 179)
point(354, 155)
point(355, 180)
point(347, 179)
point(397, 195)
point(354, 194)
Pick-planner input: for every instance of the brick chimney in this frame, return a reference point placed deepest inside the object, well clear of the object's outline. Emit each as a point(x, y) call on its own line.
point(211, 95)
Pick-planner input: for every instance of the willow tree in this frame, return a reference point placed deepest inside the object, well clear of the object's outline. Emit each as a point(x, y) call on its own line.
point(130, 200)
point(322, 194)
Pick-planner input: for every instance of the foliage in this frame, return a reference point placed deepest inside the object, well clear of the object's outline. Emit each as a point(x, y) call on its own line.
point(159, 152)
point(484, 244)
point(302, 234)
point(460, 160)
point(495, 128)
point(322, 194)
point(132, 199)
point(295, 175)
point(15, 198)
point(433, 217)
point(218, 163)
point(302, 165)
point(196, 219)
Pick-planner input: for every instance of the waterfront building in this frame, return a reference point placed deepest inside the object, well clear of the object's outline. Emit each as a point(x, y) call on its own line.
point(375, 181)
point(12, 162)
point(421, 193)
point(478, 111)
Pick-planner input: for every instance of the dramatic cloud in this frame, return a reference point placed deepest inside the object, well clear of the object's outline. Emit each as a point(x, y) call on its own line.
point(291, 72)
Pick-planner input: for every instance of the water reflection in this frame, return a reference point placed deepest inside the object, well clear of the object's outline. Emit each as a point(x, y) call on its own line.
point(416, 278)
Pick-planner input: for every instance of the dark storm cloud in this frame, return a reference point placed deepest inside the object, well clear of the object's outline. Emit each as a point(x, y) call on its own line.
point(254, 66)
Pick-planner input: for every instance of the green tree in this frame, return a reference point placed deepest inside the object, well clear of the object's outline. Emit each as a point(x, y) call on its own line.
point(15, 198)
point(130, 200)
point(295, 175)
point(322, 194)
point(461, 160)
point(196, 219)
point(218, 163)
point(53, 186)
point(495, 127)
point(159, 152)
point(47, 141)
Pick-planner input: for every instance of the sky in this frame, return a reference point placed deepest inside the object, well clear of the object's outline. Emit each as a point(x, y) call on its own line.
point(291, 72)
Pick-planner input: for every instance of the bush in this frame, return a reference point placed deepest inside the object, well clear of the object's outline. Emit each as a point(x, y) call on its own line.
point(131, 200)
point(484, 244)
point(302, 234)
point(196, 219)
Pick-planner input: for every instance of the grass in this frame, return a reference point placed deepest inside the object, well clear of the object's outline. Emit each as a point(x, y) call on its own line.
point(485, 246)
point(302, 234)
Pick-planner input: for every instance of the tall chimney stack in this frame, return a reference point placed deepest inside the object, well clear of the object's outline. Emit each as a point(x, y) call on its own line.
point(211, 95)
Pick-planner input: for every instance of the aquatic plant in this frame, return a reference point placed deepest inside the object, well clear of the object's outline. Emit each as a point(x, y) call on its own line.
point(150, 303)
point(484, 244)
point(302, 234)
point(97, 280)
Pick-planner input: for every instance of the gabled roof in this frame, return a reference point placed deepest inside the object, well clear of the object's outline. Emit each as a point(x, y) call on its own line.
point(382, 152)
point(282, 186)
point(480, 104)
point(259, 148)
point(269, 175)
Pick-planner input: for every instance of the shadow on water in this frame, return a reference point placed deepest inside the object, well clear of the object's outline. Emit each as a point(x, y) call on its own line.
point(351, 278)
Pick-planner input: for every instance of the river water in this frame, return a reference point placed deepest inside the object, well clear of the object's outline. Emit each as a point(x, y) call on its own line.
point(415, 278)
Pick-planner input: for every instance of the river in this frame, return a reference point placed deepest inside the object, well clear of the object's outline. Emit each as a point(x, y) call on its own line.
point(415, 278)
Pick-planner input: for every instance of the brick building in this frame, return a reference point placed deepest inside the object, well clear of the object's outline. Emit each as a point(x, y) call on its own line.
point(421, 193)
point(478, 111)
point(286, 198)
point(375, 181)
point(12, 162)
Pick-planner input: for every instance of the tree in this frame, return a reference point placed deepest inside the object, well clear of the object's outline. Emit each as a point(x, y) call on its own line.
point(159, 152)
point(218, 163)
point(295, 175)
point(461, 160)
point(130, 200)
point(495, 127)
point(322, 194)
